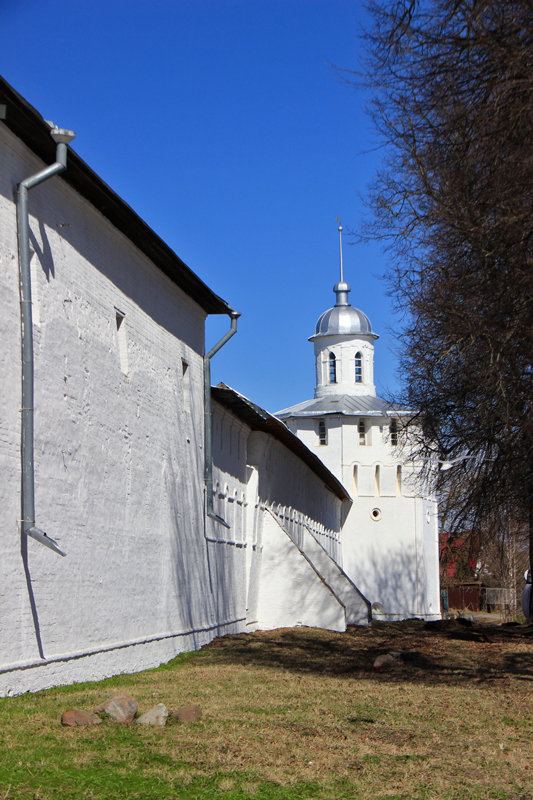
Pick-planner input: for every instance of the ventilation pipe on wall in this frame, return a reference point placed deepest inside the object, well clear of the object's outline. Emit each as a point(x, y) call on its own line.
point(208, 419)
point(61, 137)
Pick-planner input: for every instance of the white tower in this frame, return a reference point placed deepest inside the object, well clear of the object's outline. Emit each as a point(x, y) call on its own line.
point(344, 346)
point(389, 536)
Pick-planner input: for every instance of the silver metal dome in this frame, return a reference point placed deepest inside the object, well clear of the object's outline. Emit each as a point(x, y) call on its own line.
point(343, 319)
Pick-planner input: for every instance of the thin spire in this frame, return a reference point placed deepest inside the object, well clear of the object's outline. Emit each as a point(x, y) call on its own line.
point(340, 246)
point(341, 289)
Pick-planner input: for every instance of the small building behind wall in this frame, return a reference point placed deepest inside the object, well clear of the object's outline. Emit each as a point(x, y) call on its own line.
point(285, 511)
point(118, 330)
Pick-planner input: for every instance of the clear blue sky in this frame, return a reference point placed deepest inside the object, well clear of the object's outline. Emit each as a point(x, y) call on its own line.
point(223, 125)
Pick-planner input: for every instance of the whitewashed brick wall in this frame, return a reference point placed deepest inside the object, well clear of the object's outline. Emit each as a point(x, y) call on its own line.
point(284, 541)
point(118, 458)
point(119, 462)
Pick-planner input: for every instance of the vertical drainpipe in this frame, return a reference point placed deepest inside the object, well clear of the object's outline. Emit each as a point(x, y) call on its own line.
point(62, 138)
point(208, 420)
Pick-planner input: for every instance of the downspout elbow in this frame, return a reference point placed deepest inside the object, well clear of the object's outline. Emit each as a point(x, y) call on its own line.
point(61, 137)
point(208, 430)
point(234, 316)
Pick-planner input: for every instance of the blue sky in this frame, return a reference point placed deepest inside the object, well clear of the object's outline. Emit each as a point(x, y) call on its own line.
point(222, 123)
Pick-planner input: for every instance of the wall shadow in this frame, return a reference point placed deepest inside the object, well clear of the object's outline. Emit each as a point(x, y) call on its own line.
point(433, 656)
point(44, 254)
point(31, 596)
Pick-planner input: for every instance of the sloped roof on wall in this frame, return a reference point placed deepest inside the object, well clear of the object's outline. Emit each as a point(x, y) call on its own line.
point(26, 123)
point(260, 420)
point(347, 404)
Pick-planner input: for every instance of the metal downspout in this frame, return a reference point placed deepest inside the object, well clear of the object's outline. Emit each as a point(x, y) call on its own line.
point(61, 137)
point(208, 421)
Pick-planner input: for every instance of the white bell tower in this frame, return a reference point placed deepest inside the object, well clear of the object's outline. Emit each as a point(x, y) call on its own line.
point(344, 346)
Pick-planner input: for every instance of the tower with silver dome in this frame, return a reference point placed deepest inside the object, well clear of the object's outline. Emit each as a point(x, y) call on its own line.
point(344, 361)
point(344, 349)
point(389, 536)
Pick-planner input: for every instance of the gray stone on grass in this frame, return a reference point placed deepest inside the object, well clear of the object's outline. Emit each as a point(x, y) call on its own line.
point(74, 717)
point(156, 716)
point(387, 661)
point(187, 713)
point(122, 707)
point(392, 659)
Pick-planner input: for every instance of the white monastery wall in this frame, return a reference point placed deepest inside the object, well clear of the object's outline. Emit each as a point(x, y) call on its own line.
point(285, 528)
point(295, 494)
point(118, 451)
point(119, 468)
point(291, 592)
point(356, 605)
point(229, 548)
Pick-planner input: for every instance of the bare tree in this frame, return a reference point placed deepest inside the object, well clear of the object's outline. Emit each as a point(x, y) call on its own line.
point(452, 85)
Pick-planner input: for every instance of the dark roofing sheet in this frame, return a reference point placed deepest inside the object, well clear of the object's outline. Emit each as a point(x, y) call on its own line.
point(260, 420)
point(26, 123)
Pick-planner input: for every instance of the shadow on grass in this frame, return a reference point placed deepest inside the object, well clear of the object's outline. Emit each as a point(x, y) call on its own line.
point(448, 654)
point(520, 664)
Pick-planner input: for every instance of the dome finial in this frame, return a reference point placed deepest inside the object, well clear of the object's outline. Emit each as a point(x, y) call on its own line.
point(341, 289)
point(340, 246)
point(342, 319)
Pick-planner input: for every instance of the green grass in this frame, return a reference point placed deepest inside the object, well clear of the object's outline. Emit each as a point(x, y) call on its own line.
point(293, 715)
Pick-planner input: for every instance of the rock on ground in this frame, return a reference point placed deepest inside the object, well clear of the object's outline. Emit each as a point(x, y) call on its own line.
point(156, 716)
point(122, 707)
point(387, 661)
point(187, 713)
point(76, 717)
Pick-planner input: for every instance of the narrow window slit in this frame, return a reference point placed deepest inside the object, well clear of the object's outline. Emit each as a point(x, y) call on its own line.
point(332, 368)
point(398, 481)
point(122, 336)
point(358, 368)
point(186, 383)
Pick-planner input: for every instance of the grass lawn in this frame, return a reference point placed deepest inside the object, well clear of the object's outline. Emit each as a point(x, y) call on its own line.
point(295, 713)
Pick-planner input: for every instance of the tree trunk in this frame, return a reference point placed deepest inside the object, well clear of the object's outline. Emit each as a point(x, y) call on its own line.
point(531, 554)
